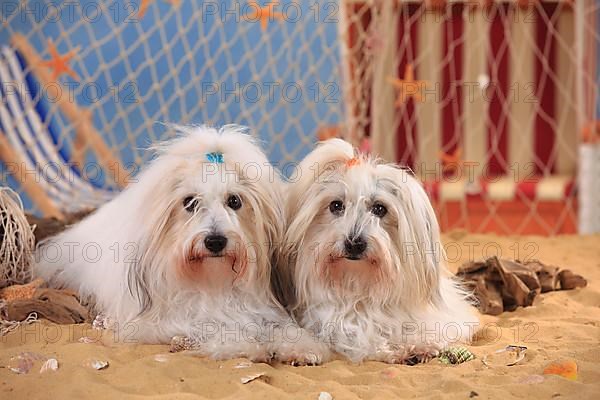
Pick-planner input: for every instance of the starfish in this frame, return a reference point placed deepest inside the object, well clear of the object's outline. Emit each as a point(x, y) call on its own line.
point(265, 14)
point(59, 62)
point(145, 3)
point(20, 292)
point(453, 158)
point(408, 87)
point(451, 162)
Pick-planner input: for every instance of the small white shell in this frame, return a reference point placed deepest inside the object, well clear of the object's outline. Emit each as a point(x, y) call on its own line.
point(325, 396)
point(508, 356)
point(51, 364)
point(162, 358)
point(95, 364)
point(22, 363)
point(87, 339)
point(243, 364)
point(250, 378)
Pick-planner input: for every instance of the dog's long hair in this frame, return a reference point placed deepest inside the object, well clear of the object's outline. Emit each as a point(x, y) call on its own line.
point(140, 257)
point(401, 278)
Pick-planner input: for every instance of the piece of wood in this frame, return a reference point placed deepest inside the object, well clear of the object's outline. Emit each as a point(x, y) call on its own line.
point(569, 280)
point(488, 297)
point(547, 275)
point(58, 306)
point(515, 292)
point(504, 285)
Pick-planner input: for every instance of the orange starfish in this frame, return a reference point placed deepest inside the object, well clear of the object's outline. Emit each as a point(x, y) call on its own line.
point(59, 62)
point(145, 3)
point(408, 87)
point(264, 14)
point(328, 132)
point(352, 162)
point(452, 161)
point(20, 292)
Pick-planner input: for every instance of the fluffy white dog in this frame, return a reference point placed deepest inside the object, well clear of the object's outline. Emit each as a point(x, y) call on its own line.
point(187, 250)
point(363, 254)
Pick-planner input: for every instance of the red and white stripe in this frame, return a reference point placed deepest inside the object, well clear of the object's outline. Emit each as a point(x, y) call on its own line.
point(523, 125)
point(502, 188)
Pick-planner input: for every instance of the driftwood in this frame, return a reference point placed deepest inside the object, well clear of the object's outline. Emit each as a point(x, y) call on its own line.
point(503, 285)
point(58, 306)
point(18, 302)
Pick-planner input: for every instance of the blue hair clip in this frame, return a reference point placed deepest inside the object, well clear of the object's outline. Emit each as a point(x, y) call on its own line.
point(215, 157)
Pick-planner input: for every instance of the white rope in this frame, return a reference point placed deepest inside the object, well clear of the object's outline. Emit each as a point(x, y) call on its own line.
point(7, 326)
point(16, 240)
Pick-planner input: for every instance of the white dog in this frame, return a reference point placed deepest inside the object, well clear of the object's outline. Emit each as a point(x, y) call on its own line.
point(364, 257)
point(187, 250)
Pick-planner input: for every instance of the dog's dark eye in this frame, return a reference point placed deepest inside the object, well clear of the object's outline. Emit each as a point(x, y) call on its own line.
point(190, 204)
point(234, 202)
point(378, 210)
point(336, 207)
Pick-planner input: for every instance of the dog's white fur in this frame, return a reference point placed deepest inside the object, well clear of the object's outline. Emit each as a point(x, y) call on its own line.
point(142, 259)
point(396, 304)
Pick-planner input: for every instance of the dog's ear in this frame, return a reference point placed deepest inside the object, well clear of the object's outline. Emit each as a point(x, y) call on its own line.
point(143, 263)
point(421, 251)
point(267, 230)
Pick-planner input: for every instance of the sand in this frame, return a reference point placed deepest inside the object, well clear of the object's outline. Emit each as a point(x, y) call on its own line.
point(559, 326)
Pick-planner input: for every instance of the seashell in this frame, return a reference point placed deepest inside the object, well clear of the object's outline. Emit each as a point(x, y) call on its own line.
point(51, 364)
point(243, 364)
point(456, 355)
point(24, 362)
point(95, 364)
point(182, 343)
point(250, 378)
point(87, 339)
point(567, 369)
point(161, 358)
point(325, 396)
point(532, 379)
point(508, 356)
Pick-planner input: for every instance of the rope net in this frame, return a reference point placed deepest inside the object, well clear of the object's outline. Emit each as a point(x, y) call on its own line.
point(487, 101)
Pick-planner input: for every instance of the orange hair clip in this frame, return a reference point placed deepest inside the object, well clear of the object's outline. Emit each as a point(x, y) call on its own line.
point(352, 162)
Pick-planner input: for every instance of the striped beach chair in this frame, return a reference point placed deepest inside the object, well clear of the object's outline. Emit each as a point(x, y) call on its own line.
point(30, 147)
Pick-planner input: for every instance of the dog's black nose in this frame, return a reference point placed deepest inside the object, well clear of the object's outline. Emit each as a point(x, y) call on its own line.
point(215, 243)
point(355, 247)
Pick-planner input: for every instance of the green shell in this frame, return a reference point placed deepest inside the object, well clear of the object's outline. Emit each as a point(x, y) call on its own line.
point(456, 355)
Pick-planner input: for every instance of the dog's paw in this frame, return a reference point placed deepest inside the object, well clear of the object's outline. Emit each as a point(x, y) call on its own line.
point(303, 352)
point(407, 356)
point(420, 358)
point(263, 357)
point(302, 359)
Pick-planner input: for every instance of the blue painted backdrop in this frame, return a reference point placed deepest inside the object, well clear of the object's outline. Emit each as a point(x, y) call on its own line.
point(134, 71)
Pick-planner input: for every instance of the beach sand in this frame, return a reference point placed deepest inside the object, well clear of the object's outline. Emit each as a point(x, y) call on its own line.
point(563, 325)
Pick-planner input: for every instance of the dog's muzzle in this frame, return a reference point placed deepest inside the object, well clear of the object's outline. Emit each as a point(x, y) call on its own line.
point(355, 248)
